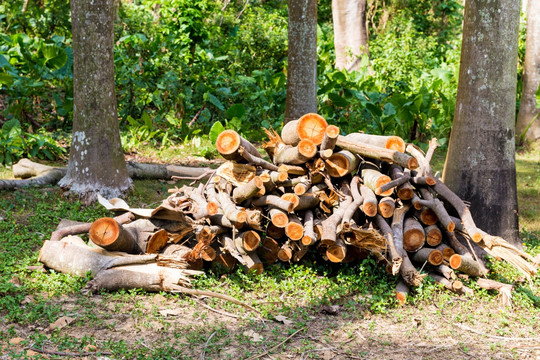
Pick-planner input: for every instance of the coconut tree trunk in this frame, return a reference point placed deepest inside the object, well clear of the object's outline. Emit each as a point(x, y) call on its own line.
point(528, 120)
point(96, 162)
point(480, 164)
point(350, 33)
point(302, 59)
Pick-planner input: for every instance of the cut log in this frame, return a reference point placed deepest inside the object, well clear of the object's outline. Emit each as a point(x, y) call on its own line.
point(378, 153)
point(254, 219)
point(299, 252)
point(387, 142)
point(294, 229)
point(374, 179)
point(274, 232)
point(337, 251)
point(395, 254)
point(247, 191)
point(455, 261)
point(285, 253)
point(453, 285)
point(180, 253)
point(268, 252)
point(402, 290)
point(278, 217)
point(329, 141)
point(309, 237)
point(302, 187)
point(224, 263)
point(231, 212)
point(77, 228)
point(433, 235)
point(426, 216)
point(437, 206)
point(295, 155)
point(431, 256)
point(370, 204)
point(293, 198)
point(329, 226)
point(289, 133)
point(414, 236)
point(256, 160)
point(235, 173)
point(310, 126)
point(471, 266)
point(110, 235)
point(229, 142)
point(400, 179)
point(292, 169)
point(274, 201)
point(446, 250)
point(341, 163)
point(446, 271)
point(307, 202)
point(250, 240)
point(358, 200)
point(386, 207)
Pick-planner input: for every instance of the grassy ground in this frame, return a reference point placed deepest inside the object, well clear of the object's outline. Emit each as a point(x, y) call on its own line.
point(308, 310)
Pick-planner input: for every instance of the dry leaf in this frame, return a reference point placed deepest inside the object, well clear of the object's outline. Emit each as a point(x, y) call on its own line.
point(16, 340)
point(254, 336)
point(170, 312)
point(283, 319)
point(61, 323)
point(90, 348)
point(31, 353)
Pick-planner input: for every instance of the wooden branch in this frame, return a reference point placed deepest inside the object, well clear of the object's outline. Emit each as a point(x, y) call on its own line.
point(247, 191)
point(395, 254)
point(382, 141)
point(469, 264)
point(433, 235)
point(505, 290)
point(374, 179)
point(112, 236)
point(429, 255)
point(256, 160)
point(228, 144)
point(336, 251)
point(275, 201)
point(310, 126)
point(307, 202)
point(446, 271)
point(407, 270)
point(329, 141)
point(437, 206)
point(414, 236)
point(295, 155)
point(358, 200)
point(309, 237)
point(81, 228)
point(402, 290)
point(386, 207)
point(370, 204)
point(231, 212)
point(278, 217)
point(453, 285)
point(378, 153)
point(285, 253)
point(268, 252)
point(329, 226)
point(341, 163)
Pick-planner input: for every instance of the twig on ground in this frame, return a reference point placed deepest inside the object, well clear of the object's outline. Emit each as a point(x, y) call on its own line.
point(203, 355)
point(275, 347)
point(224, 313)
point(63, 353)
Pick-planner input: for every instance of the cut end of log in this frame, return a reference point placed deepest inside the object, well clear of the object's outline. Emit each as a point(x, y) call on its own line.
point(370, 209)
point(405, 193)
point(208, 254)
point(256, 268)
point(212, 208)
point(294, 231)
point(307, 240)
point(401, 297)
point(285, 254)
point(293, 199)
point(268, 252)
point(412, 163)
point(307, 148)
point(300, 189)
point(251, 240)
point(279, 219)
point(433, 237)
point(157, 242)
point(395, 143)
point(104, 231)
point(455, 261)
point(428, 217)
point(451, 226)
point(274, 232)
point(312, 126)
point(340, 164)
point(332, 131)
point(386, 207)
point(228, 142)
point(476, 237)
point(430, 181)
point(336, 253)
point(435, 258)
point(241, 217)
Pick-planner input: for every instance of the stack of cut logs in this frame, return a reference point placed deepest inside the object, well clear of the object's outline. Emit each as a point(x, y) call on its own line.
point(338, 197)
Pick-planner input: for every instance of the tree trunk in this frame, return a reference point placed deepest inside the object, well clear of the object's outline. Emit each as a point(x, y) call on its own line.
point(528, 113)
point(480, 164)
point(96, 162)
point(350, 33)
point(302, 59)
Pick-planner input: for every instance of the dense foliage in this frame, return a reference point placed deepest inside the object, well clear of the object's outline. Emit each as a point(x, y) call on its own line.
point(183, 65)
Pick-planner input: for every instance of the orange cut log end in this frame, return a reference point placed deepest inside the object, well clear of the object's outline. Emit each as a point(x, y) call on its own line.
point(395, 143)
point(332, 131)
point(307, 148)
point(434, 237)
point(448, 252)
point(294, 231)
point(212, 208)
point(370, 209)
point(413, 239)
point(285, 254)
point(228, 142)
point(337, 165)
point(336, 253)
point(251, 240)
point(312, 126)
point(280, 220)
point(381, 181)
point(208, 254)
point(293, 198)
point(435, 258)
point(401, 297)
point(405, 193)
point(157, 242)
point(104, 231)
point(455, 261)
point(428, 217)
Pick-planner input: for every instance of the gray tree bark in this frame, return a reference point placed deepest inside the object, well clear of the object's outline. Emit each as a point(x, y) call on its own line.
point(480, 164)
point(302, 59)
point(96, 161)
point(531, 77)
point(350, 33)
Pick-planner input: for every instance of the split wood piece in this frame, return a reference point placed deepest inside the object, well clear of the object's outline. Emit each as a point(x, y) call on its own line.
point(250, 259)
point(157, 242)
point(387, 142)
point(368, 239)
point(407, 270)
point(299, 252)
point(330, 225)
point(455, 286)
point(469, 264)
point(230, 210)
point(294, 229)
point(337, 250)
point(274, 201)
point(254, 219)
point(462, 210)
point(268, 252)
point(247, 191)
point(229, 142)
point(145, 232)
point(329, 141)
point(400, 179)
point(432, 256)
point(433, 235)
point(395, 254)
point(77, 228)
point(386, 207)
point(285, 253)
point(370, 204)
point(446, 271)
point(437, 206)
point(272, 179)
point(426, 215)
point(296, 155)
point(292, 169)
point(200, 207)
point(402, 290)
point(446, 250)
point(180, 253)
point(293, 198)
point(505, 290)
point(229, 246)
point(72, 256)
point(278, 217)
point(414, 236)
point(378, 153)
point(203, 250)
point(310, 126)
point(274, 232)
point(247, 241)
point(374, 179)
point(302, 187)
point(112, 236)
point(357, 200)
point(224, 262)
point(212, 229)
point(256, 160)
point(234, 173)
point(307, 202)
point(342, 163)
point(309, 237)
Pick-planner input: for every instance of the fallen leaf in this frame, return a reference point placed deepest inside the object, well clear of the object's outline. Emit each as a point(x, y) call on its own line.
point(170, 312)
point(28, 299)
point(254, 336)
point(283, 319)
point(61, 323)
point(15, 281)
point(31, 353)
point(16, 340)
point(90, 348)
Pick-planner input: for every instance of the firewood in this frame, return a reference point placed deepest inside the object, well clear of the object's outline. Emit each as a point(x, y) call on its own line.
point(386, 207)
point(455, 261)
point(110, 235)
point(342, 163)
point(414, 236)
point(294, 229)
point(256, 160)
point(470, 265)
point(432, 256)
point(302, 187)
point(307, 202)
point(274, 232)
point(201, 208)
point(268, 252)
point(249, 258)
point(329, 141)
point(395, 254)
point(224, 262)
point(234, 173)
point(295, 155)
point(446, 271)
point(387, 142)
point(76, 228)
point(374, 179)
point(247, 191)
point(278, 217)
point(402, 290)
point(180, 252)
point(370, 204)
point(274, 201)
point(378, 153)
point(309, 237)
point(292, 169)
point(337, 250)
point(329, 226)
point(433, 235)
point(285, 253)
point(291, 197)
point(437, 206)
point(310, 126)
point(254, 219)
point(230, 210)
point(357, 200)
point(299, 252)
point(400, 180)
point(362, 238)
point(229, 142)
point(426, 216)
point(446, 250)
point(452, 285)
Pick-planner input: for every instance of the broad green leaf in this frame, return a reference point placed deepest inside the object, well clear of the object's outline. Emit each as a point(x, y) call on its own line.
point(237, 110)
point(443, 74)
point(12, 128)
point(215, 130)
point(338, 100)
point(214, 101)
point(6, 79)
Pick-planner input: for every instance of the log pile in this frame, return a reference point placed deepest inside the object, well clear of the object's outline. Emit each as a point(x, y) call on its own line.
point(339, 197)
